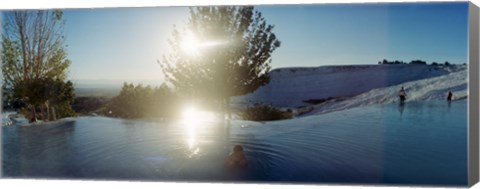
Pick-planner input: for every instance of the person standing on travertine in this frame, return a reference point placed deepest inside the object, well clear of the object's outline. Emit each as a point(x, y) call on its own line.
point(449, 96)
point(402, 94)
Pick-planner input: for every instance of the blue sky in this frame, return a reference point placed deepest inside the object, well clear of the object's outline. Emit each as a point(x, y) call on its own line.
point(125, 43)
point(367, 33)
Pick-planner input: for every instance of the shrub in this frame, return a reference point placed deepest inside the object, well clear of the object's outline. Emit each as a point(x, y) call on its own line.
point(385, 61)
point(418, 62)
point(86, 105)
point(265, 113)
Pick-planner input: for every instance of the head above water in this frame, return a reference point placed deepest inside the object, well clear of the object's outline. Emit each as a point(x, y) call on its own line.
point(237, 148)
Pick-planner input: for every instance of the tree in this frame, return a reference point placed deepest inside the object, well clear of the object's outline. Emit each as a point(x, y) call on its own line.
point(223, 52)
point(32, 52)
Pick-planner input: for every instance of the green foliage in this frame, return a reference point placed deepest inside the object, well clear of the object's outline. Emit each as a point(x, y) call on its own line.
point(52, 97)
point(265, 113)
point(232, 55)
point(10, 62)
point(63, 100)
point(139, 101)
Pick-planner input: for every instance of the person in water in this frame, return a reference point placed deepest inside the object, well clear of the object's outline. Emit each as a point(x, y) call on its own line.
point(402, 94)
point(237, 158)
point(449, 96)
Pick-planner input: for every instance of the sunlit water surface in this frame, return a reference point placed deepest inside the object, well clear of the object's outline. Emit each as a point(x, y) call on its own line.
point(419, 143)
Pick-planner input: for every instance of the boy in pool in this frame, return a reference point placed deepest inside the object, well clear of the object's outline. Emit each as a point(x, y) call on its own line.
point(237, 158)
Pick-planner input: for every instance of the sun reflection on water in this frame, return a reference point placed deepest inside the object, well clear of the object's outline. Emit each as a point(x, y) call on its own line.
point(193, 120)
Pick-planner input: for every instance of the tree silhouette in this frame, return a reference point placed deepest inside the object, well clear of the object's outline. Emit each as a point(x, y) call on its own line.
point(142, 101)
point(228, 53)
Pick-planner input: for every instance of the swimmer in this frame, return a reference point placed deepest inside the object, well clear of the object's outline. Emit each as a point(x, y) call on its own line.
point(237, 158)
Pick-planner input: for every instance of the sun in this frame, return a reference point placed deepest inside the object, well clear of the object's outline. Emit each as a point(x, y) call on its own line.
point(190, 44)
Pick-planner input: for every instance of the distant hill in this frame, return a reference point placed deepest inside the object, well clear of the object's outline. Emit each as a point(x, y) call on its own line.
point(105, 88)
point(297, 87)
point(97, 92)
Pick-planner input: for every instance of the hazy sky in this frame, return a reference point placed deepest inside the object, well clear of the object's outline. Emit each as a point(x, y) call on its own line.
point(125, 43)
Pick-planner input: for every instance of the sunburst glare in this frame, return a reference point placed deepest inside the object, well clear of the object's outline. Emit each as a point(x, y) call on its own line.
point(190, 44)
point(193, 117)
point(190, 114)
